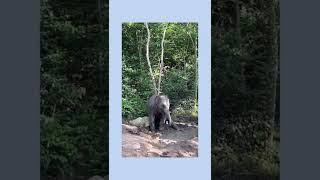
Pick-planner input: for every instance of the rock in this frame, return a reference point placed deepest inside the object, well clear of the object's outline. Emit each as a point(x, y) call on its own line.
point(130, 129)
point(96, 178)
point(140, 122)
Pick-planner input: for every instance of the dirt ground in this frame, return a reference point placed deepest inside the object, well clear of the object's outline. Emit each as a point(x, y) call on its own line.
point(140, 142)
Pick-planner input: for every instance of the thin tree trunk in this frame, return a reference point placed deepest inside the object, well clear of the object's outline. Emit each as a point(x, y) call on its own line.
point(196, 68)
point(139, 46)
point(148, 60)
point(161, 60)
point(195, 45)
point(275, 65)
point(101, 86)
point(237, 9)
point(272, 38)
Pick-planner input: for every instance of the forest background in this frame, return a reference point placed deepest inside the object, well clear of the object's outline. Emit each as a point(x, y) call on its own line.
point(245, 82)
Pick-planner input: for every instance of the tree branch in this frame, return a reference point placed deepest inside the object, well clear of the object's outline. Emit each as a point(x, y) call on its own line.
point(148, 60)
point(161, 60)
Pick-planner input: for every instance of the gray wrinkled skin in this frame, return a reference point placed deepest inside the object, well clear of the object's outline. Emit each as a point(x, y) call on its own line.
point(159, 114)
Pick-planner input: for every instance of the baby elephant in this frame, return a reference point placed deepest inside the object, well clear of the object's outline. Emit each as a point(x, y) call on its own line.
point(159, 114)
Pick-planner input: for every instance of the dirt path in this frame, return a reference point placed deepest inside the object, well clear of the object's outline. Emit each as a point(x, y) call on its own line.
point(139, 142)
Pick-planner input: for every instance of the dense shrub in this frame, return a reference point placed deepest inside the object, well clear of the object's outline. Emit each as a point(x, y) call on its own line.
point(179, 80)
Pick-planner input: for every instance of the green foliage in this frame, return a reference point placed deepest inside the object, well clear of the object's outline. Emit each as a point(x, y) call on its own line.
point(178, 86)
point(246, 165)
point(178, 81)
point(73, 89)
point(58, 150)
point(132, 103)
point(186, 108)
point(243, 68)
point(244, 133)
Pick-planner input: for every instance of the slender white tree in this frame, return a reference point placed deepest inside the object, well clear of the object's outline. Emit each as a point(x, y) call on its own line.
point(148, 60)
point(161, 60)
